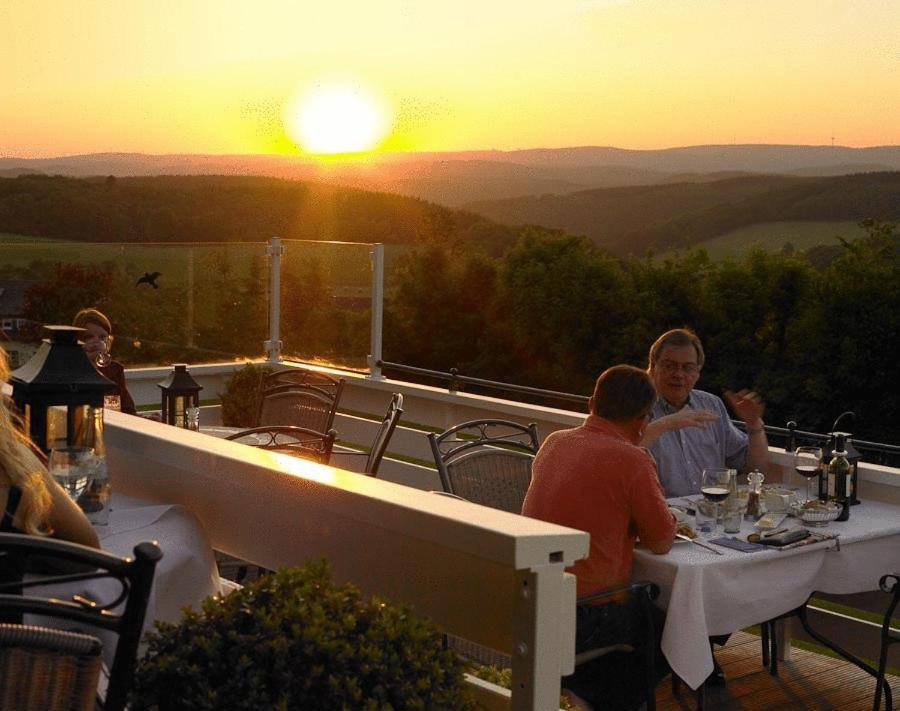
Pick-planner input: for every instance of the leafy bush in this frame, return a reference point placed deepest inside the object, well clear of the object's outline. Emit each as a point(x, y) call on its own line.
point(296, 640)
point(240, 401)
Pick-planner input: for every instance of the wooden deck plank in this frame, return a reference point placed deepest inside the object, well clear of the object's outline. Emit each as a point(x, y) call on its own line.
point(808, 682)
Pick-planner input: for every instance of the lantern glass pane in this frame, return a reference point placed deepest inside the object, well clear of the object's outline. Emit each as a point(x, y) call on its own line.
point(179, 411)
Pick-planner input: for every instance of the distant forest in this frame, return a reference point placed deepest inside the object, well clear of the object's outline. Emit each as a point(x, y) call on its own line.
point(632, 220)
point(230, 209)
point(530, 305)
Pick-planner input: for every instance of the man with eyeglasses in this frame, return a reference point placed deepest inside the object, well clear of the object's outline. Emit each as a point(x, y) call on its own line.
point(691, 429)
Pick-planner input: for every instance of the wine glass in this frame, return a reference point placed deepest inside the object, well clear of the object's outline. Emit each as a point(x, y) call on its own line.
point(71, 468)
point(807, 461)
point(716, 485)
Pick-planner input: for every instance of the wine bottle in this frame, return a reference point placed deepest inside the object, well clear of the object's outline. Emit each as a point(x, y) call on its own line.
point(839, 489)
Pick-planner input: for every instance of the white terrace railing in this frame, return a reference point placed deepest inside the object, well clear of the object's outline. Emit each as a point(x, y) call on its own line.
point(495, 578)
point(361, 524)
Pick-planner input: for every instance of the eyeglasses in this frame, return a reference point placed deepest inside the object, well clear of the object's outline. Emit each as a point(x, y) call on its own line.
point(671, 367)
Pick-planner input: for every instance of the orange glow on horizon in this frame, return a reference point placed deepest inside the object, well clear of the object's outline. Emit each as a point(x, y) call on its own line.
point(203, 78)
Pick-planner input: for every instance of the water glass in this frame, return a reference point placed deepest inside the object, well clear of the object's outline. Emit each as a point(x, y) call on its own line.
point(705, 517)
point(732, 516)
point(71, 468)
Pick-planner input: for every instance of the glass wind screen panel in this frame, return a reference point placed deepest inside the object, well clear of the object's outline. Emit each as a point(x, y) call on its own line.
point(326, 303)
point(192, 303)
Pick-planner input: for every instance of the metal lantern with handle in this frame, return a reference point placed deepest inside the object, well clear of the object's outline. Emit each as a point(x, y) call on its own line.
point(180, 398)
point(58, 390)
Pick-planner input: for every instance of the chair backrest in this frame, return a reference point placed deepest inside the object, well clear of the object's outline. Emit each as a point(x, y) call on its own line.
point(134, 577)
point(299, 397)
point(52, 670)
point(487, 462)
point(383, 436)
point(298, 441)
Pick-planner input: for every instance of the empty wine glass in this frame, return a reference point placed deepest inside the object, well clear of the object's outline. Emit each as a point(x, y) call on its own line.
point(807, 463)
point(72, 468)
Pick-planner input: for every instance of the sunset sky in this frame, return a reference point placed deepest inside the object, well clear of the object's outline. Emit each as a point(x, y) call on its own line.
point(165, 76)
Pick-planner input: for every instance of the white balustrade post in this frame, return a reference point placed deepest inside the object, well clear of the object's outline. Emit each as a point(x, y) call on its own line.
point(377, 259)
point(273, 346)
point(544, 637)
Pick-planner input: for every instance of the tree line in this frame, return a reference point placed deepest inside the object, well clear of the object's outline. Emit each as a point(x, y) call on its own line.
point(556, 310)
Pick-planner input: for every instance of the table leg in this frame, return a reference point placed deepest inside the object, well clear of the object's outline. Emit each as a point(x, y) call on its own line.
point(783, 634)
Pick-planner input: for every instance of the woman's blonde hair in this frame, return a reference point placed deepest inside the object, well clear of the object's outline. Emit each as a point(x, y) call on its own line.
point(20, 467)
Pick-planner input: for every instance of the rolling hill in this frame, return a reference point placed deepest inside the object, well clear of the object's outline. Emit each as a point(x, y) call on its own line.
point(662, 217)
point(456, 178)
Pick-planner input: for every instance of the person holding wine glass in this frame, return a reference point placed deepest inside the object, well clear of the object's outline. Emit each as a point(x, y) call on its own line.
point(31, 502)
point(98, 340)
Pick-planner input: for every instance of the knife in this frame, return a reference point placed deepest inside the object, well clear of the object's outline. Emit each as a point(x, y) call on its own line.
point(697, 543)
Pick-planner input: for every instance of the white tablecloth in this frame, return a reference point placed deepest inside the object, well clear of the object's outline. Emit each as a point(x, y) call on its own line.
point(705, 594)
point(185, 574)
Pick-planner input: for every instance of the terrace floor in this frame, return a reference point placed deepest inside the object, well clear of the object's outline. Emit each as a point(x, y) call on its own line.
point(808, 682)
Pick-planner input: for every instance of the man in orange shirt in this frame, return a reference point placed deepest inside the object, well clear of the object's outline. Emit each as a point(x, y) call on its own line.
point(595, 478)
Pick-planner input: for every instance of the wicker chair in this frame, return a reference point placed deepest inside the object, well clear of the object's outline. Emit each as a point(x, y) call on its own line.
point(298, 441)
point(69, 563)
point(302, 398)
point(487, 462)
point(48, 669)
point(382, 437)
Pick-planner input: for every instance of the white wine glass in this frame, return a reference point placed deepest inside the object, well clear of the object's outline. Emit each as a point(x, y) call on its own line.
point(716, 485)
point(807, 463)
point(71, 468)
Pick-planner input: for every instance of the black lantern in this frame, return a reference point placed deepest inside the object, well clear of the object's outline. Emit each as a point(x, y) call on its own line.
point(59, 374)
point(180, 398)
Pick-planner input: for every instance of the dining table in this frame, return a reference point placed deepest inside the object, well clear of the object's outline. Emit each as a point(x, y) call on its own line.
point(185, 575)
point(705, 594)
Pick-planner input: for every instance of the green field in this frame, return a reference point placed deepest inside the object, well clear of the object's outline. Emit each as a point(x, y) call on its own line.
point(773, 236)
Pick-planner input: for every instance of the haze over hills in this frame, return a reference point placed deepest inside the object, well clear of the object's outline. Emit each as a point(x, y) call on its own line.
point(458, 178)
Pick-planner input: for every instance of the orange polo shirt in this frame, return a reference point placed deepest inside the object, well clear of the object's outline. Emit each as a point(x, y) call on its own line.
point(594, 479)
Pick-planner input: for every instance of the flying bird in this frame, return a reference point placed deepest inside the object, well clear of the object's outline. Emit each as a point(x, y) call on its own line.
point(149, 278)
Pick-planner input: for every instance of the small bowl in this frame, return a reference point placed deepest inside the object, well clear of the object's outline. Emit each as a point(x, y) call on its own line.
point(819, 516)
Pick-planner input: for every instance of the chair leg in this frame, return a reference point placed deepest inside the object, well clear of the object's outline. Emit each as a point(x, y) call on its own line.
point(881, 683)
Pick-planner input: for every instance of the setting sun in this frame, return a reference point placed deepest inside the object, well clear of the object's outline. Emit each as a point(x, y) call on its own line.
point(336, 119)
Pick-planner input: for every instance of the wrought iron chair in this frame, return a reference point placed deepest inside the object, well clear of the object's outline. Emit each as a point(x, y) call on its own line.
point(889, 584)
point(487, 462)
point(68, 563)
point(298, 441)
point(382, 437)
point(640, 639)
point(303, 398)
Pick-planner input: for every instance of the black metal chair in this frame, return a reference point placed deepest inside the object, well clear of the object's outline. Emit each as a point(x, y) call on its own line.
point(889, 584)
point(303, 398)
point(50, 562)
point(487, 462)
point(297, 441)
point(382, 437)
point(639, 642)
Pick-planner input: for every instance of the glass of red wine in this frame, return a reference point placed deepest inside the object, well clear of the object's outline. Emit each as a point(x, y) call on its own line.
point(716, 485)
point(807, 461)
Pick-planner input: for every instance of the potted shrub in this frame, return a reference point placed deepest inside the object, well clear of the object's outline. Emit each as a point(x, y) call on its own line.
point(297, 640)
point(240, 401)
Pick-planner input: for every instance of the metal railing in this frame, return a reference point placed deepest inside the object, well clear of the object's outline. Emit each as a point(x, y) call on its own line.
point(873, 452)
